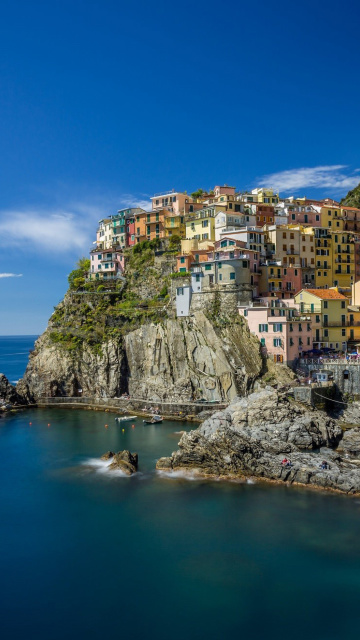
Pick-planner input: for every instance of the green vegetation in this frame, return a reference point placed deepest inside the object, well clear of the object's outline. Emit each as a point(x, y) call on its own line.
point(76, 278)
point(180, 274)
point(352, 199)
point(197, 194)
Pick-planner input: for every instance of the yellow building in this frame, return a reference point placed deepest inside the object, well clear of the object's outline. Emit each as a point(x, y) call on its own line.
point(331, 217)
point(174, 225)
point(335, 258)
point(343, 258)
point(202, 225)
point(327, 309)
point(292, 244)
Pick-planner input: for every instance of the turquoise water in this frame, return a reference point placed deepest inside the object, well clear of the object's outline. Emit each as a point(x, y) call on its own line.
point(86, 554)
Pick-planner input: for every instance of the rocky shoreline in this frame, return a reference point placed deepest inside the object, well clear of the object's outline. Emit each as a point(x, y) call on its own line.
point(254, 435)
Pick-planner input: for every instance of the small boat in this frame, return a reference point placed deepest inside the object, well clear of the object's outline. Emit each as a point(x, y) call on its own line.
point(154, 420)
point(125, 418)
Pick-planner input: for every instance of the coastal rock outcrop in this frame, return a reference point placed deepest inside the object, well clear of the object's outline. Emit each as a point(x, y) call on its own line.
point(253, 436)
point(8, 394)
point(172, 360)
point(122, 461)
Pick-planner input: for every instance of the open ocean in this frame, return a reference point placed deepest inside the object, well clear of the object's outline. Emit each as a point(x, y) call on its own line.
point(86, 554)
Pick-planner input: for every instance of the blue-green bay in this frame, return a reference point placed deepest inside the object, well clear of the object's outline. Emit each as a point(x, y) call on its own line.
point(86, 553)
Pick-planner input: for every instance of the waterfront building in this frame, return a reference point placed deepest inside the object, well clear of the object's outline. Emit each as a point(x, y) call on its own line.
point(328, 311)
point(284, 332)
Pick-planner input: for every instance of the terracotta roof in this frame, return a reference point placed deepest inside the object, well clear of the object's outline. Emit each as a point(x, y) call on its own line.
point(326, 294)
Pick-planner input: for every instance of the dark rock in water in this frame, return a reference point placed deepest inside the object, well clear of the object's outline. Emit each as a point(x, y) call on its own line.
point(122, 461)
point(108, 455)
point(8, 394)
point(253, 435)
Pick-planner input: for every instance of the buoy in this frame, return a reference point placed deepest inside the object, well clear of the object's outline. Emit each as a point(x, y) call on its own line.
point(30, 423)
point(49, 424)
point(106, 426)
point(133, 426)
point(123, 430)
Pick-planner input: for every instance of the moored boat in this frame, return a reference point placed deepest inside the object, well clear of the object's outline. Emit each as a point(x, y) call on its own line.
point(153, 420)
point(125, 418)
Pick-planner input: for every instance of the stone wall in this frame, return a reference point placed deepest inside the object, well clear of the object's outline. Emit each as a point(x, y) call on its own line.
point(225, 297)
point(346, 374)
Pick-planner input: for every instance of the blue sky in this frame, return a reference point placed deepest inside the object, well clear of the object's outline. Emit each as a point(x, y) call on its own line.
point(104, 103)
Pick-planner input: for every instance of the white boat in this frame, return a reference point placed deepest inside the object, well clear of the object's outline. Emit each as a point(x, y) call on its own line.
point(153, 420)
point(125, 418)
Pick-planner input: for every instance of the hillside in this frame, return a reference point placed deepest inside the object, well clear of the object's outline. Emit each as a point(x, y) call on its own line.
point(126, 338)
point(352, 198)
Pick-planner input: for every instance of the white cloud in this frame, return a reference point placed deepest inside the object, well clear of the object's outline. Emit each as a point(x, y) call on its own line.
point(322, 177)
point(10, 275)
point(61, 229)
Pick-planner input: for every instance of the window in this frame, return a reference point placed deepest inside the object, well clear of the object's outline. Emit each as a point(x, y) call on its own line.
point(277, 326)
point(277, 342)
point(326, 333)
point(343, 332)
point(325, 304)
point(343, 304)
point(180, 291)
point(207, 267)
point(220, 276)
point(232, 276)
point(263, 327)
point(182, 260)
point(262, 342)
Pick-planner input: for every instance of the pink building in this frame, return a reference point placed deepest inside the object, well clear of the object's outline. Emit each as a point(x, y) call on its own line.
point(282, 332)
point(106, 264)
point(305, 214)
point(281, 281)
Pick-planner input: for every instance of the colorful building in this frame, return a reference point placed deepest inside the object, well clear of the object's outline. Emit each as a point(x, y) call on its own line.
point(284, 333)
point(328, 311)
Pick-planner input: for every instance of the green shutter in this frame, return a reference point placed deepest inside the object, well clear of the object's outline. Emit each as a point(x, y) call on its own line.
point(274, 342)
point(280, 327)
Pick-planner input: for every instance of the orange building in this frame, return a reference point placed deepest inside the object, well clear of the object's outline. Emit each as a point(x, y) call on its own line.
point(150, 225)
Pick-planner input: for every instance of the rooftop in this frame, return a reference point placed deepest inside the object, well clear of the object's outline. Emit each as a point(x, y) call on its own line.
point(326, 294)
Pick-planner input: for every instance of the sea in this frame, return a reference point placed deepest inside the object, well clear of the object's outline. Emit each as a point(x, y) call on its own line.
point(87, 554)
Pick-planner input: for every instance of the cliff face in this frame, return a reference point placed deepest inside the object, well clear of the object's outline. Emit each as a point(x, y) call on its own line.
point(254, 434)
point(170, 360)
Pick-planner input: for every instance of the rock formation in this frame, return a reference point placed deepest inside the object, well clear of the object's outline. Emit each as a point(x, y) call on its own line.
point(9, 396)
point(171, 360)
point(122, 461)
point(254, 434)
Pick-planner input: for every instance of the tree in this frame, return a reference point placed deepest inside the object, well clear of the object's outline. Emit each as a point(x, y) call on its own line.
point(198, 194)
point(76, 278)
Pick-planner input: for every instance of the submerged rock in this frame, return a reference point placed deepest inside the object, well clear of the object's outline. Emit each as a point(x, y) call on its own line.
point(253, 435)
point(122, 461)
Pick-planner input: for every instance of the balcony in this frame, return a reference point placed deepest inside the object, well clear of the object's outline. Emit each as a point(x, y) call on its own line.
point(292, 252)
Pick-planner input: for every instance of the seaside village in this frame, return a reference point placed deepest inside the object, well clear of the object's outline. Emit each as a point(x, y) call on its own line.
point(290, 266)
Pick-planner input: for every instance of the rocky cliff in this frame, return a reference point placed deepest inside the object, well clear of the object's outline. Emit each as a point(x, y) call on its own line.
point(254, 434)
point(170, 359)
